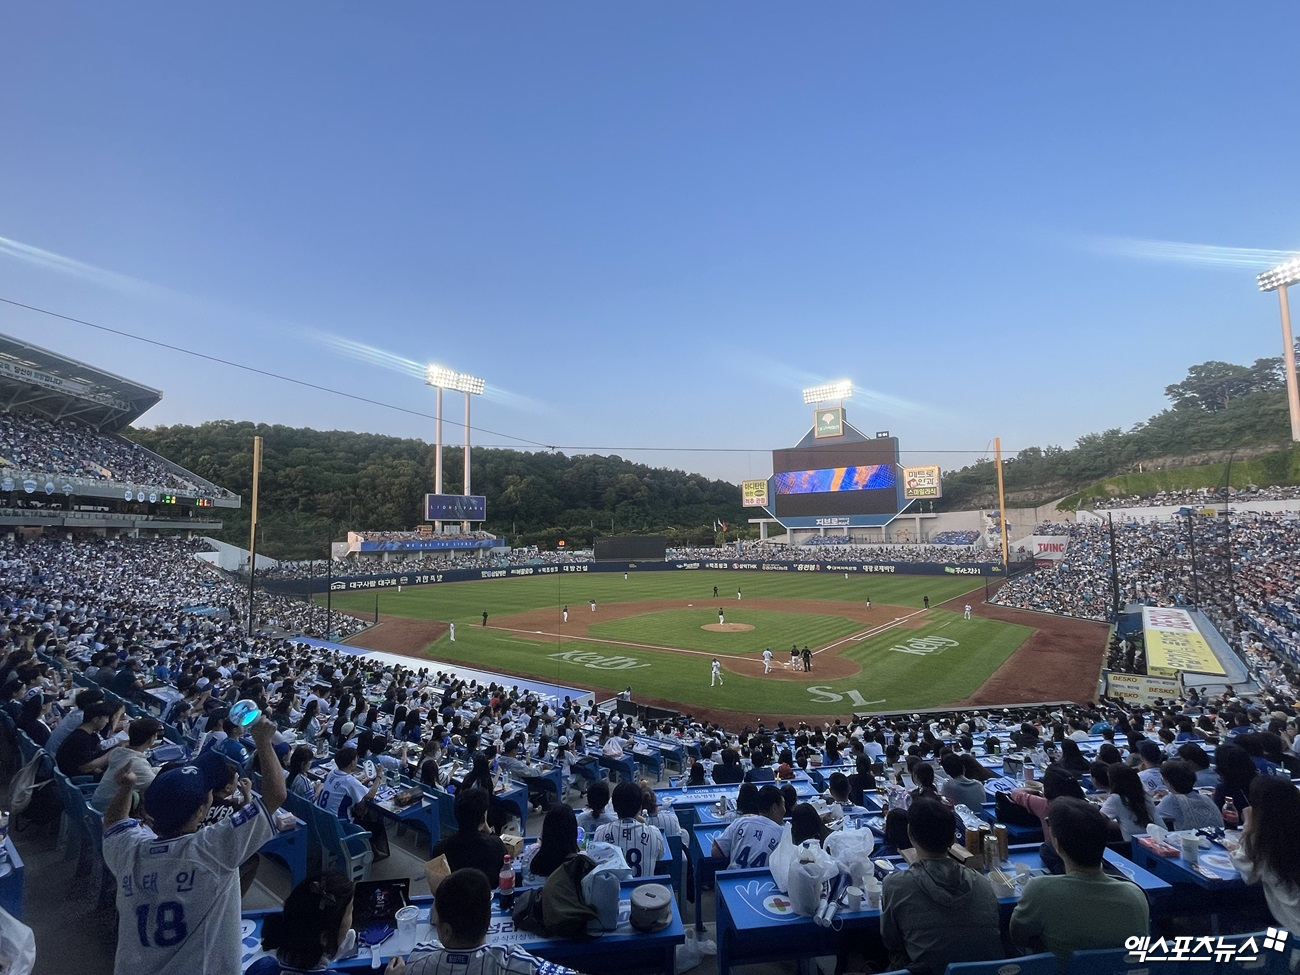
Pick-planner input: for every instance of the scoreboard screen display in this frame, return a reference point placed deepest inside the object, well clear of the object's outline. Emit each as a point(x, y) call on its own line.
point(847, 479)
point(455, 507)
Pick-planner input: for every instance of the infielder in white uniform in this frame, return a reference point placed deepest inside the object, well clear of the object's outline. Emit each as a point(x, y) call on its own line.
point(966, 613)
point(767, 660)
point(715, 677)
point(642, 844)
point(177, 884)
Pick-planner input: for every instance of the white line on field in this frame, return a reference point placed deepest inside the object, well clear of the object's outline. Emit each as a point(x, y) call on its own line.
point(874, 631)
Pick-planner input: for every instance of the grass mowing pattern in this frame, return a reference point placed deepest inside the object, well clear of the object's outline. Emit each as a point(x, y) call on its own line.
point(892, 678)
point(682, 628)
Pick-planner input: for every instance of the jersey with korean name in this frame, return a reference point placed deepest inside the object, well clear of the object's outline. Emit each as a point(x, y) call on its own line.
point(178, 899)
point(340, 792)
point(642, 844)
point(749, 841)
point(483, 960)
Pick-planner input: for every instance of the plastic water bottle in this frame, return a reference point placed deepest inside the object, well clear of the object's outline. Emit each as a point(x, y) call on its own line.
point(506, 884)
point(1231, 818)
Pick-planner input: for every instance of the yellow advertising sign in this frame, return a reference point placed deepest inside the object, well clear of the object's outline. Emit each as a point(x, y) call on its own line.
point(1174, 643)
point(1141, 690)
point(922, 482)
point(753, 494)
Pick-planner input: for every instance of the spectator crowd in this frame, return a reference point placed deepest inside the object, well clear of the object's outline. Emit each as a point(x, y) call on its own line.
point(31, 445)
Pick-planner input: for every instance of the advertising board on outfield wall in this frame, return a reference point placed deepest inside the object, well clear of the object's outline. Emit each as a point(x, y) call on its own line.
point(1174, 644)
point(1139, 689)
point(753, 494)
point(425, 577)
point(922, 482)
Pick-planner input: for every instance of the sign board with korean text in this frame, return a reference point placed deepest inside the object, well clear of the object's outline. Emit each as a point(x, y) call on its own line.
point(1174, 644)
point(753, 494)
point(828, 422)
point(922, 482)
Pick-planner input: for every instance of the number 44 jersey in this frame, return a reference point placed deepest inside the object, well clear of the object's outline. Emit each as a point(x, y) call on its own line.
point(749, 841)
point(178, 899)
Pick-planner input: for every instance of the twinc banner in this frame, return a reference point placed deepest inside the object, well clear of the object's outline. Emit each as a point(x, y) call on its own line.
point(1051, 547)
point(1174, 644)
point(1139, 689)
point(922, 482)
point(753, 494)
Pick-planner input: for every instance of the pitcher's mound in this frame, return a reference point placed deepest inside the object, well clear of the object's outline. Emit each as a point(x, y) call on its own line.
point(727, 627)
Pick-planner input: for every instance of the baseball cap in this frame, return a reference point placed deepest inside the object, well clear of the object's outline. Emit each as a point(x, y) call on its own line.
point(175, 795)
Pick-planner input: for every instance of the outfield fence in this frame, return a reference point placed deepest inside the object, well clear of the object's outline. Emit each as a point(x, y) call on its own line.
point(426, 577)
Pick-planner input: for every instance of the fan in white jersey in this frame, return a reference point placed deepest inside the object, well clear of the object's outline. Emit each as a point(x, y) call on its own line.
point(642, 844)
point(463, 902)
point(342, 791)
point(178, 885)
point(750, 840)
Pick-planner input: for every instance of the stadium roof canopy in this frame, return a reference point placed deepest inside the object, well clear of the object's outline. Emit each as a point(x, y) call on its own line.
point(54, 386)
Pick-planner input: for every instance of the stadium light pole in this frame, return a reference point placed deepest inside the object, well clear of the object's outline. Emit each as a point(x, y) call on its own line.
point(252, 532)
point(1279, 279)
point(442, 378)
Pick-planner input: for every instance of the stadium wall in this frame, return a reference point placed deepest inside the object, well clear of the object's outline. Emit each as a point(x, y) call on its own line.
point(389, 580)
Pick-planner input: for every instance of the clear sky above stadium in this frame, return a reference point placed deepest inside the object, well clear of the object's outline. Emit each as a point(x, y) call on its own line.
point(650, 225)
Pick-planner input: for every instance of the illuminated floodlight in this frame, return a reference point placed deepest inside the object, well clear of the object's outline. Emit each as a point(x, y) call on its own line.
point(1282, 276)
point(458, 382)
point(840, 389)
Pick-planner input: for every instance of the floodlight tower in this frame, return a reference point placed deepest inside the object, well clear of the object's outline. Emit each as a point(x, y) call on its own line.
point(1279, 279)
point(442, 378)
point(837, 391)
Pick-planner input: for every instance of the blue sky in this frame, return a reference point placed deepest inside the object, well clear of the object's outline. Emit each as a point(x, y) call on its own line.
point(651, 225)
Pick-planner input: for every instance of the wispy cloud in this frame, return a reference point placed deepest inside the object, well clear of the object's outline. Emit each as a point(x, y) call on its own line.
point(1178, 252)
point(16, 250)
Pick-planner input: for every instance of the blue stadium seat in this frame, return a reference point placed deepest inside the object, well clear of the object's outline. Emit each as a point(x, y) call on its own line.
point(1044, 964)
point(1270, 961)
point(1116, 961)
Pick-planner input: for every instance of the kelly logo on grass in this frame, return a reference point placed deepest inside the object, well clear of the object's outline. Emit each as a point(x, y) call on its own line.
point(596, 661)
point(922, 645)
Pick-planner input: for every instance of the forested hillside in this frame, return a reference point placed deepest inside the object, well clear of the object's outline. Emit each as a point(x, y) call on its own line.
point(317, 482)
point(1218, 409)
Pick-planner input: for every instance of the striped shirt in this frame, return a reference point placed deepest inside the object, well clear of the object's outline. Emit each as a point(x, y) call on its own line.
point(483, 960)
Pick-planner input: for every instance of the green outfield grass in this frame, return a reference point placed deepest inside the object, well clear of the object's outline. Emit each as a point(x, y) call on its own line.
point(684, 628)
point(942, 661)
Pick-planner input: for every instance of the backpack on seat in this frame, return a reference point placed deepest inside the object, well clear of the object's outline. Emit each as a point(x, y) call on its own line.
point(32, 801)
point(565, 913)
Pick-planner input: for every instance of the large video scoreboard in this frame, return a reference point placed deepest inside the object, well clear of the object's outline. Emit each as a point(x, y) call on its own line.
point(836, 479)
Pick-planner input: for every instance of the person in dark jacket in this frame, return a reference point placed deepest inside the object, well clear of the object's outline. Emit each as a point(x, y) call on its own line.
point(937, 912)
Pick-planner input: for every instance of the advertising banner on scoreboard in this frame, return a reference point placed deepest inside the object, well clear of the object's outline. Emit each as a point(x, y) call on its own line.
point(922, 482)
point(1174, 643)
point(828, 422)
point(455, 507)
point(753, 494)
point(1139, 689)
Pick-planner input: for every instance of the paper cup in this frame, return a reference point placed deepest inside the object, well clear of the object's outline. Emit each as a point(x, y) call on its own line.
point(406, 918)
point(1191, 847)
point(853, 898)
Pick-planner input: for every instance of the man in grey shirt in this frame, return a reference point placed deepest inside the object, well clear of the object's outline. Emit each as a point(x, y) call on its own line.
point(937, 912)
point(960, 790)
